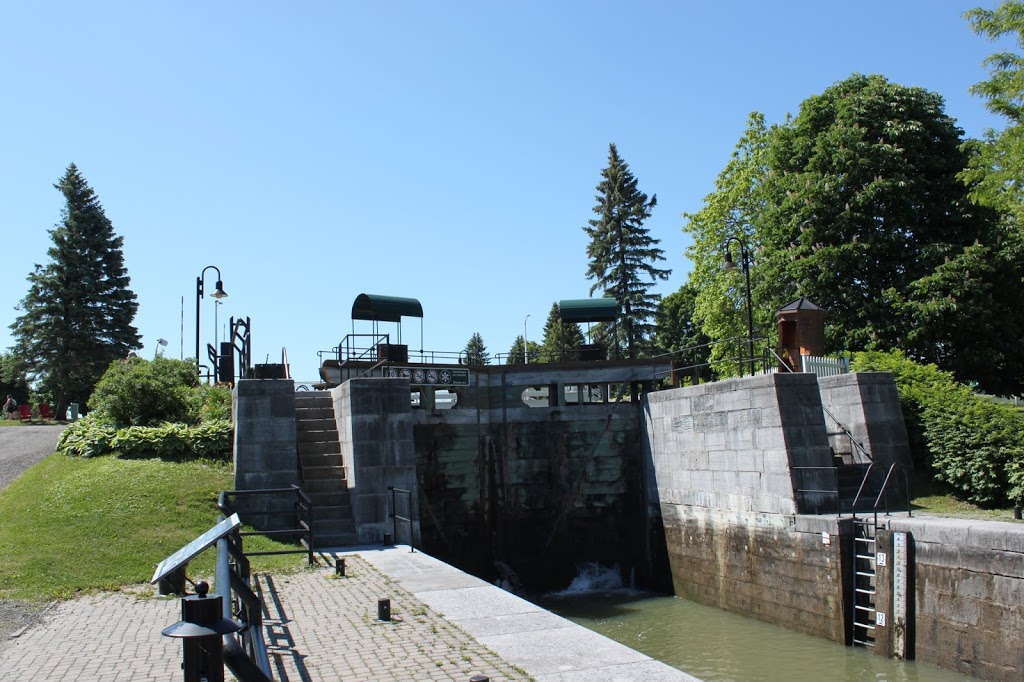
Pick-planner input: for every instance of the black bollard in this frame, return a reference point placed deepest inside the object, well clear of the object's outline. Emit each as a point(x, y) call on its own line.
point(479, 678)
point(383, 609)
point(1016, 512)
point(202, 629)
point(339, 567)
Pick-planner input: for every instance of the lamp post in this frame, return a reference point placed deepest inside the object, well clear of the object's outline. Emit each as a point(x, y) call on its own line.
point(729, 266)
point(526, 344)
point(217, 293)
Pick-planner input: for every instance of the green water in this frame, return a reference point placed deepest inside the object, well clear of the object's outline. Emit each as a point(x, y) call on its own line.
point(717, 646)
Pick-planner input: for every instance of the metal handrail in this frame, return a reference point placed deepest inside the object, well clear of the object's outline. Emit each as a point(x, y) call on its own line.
point(395, 517)
point(895, 466)
point(238, 599)
point(846, 431)
point(303, 508)
point(885, 484)
point(739, 359)
point(284, 363)
point(802, 492)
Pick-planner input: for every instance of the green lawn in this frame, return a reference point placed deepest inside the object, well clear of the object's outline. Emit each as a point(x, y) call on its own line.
point(932, 498)
point(72, 524)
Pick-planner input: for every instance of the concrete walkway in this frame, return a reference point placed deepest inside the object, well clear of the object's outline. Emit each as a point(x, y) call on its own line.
point(446, 625)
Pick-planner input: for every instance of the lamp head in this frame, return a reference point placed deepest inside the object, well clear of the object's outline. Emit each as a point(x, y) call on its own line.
point(728, 265)
point(219, 291)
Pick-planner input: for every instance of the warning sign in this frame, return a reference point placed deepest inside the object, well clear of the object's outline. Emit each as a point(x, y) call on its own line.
point(432, 376)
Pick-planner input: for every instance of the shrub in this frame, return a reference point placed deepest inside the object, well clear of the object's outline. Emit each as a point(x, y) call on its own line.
point(212, 403)
point(89, 437)
point(965, 440)
point(138, 392)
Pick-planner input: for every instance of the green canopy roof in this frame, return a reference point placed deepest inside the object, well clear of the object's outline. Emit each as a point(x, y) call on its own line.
point(588, 309)
point(385, 308)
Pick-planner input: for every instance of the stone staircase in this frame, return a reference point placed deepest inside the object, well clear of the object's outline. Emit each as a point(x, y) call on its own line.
point(323, 470)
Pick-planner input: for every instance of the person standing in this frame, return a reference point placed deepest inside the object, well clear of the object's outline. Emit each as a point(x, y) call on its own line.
point(11, 405)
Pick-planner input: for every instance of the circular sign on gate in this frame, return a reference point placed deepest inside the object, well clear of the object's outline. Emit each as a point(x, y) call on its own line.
point(392, 373)
point(406, 373)
point(417, 376)
point(432, 376)
point(446, 376)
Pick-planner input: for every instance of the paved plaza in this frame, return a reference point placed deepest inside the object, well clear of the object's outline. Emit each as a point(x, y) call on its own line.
point(445, 625)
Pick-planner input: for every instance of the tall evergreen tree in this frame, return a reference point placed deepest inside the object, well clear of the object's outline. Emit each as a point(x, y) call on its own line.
point(77, 315)
point(476, 351)
point(517, 355)
point(623, 254)
point(561, 339)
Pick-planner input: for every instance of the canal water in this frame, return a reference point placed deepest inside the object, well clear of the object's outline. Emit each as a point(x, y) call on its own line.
point(717, 646)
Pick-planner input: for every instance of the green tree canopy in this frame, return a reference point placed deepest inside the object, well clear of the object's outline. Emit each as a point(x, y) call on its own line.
point(731, 211)
point(13, 378)
point(862, 201)
point(476, 351)
point(516, 354)
point(996, 172)
point(856, 204)
point(679, 334)
point(77, 315)
point(623, 254)
point(561, 339)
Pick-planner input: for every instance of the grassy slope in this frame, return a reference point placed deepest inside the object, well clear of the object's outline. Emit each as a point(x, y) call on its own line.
point(72, 524)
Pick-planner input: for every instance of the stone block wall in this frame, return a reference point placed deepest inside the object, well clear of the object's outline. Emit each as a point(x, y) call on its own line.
point(867, 404)
point(730, 445)
point(967, 586)
point(785, 571)
point(265, 447)
point(375, 429)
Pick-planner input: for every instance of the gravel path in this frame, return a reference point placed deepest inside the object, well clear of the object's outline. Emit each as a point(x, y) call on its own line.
point(21, 447)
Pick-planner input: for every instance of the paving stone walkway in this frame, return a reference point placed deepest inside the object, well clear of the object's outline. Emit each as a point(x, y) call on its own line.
point(318, 627)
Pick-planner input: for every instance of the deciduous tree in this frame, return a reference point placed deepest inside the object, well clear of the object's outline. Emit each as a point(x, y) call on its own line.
point(731, 211)
point(77, 315)
point(996, 172)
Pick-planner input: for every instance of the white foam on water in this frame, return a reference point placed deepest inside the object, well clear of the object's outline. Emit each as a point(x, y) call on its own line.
point(593, 578)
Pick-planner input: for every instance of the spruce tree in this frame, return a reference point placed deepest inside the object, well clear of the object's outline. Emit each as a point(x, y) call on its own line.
point(476, 351)
point(77, 315)
point(561, 339)
point(623, 254)
point(517, 355)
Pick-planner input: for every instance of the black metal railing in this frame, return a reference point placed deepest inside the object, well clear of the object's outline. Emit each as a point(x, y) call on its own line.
point(694, 361)
point(881, 502)
point(813, 493)
point(246, 656)
point(395, 517)
point(302, 508)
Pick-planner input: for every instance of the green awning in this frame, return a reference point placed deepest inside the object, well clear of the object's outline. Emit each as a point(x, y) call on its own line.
point(588, 310)
point(385, 308)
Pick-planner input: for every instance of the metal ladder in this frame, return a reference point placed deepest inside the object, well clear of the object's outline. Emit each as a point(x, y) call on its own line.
point(864, 569)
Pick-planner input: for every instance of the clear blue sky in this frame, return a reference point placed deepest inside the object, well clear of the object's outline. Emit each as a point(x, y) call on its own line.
point(445, 151)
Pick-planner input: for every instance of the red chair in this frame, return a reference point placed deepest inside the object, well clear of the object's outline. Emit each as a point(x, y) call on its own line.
point(25, 413)
point(44, 412)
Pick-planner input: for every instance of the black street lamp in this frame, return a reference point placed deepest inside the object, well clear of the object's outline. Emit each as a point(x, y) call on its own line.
point(729, 266)
point(218, 293)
